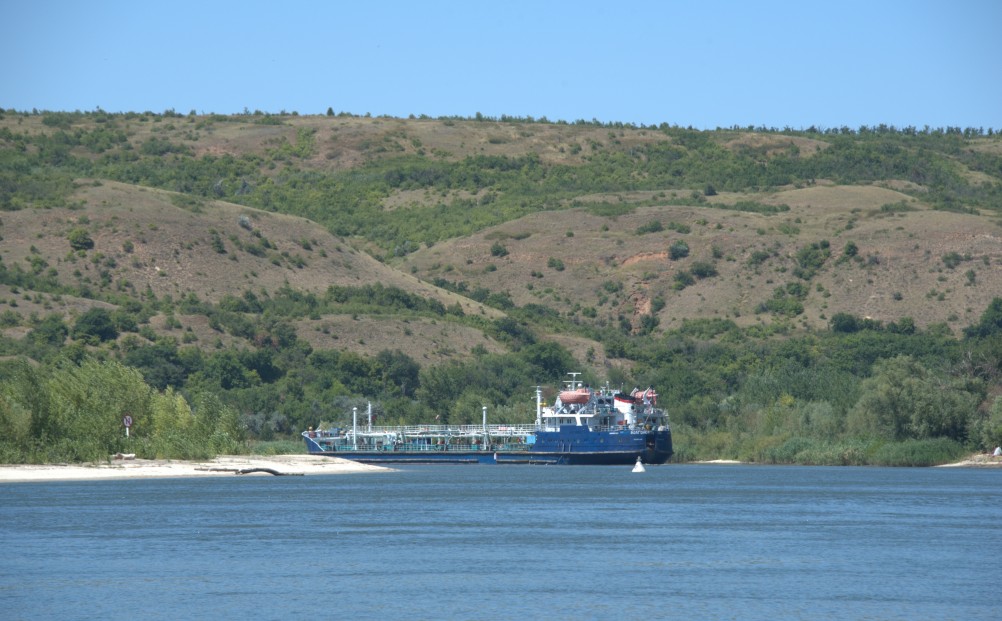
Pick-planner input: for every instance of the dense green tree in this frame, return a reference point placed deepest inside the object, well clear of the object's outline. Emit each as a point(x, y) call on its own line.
point(75, 412)
point(989, 431)
point(95, 322)
point(990, 322)
point(399, 373)
point(224, 370)
point(80, 239)
point(845, 323)
point(904, 400)
point(124, 321)
point(703, 269)
point(50, 330)
point(551, 360)
point(25, 412)
point(679, 249)
point(160, 364)
point(510, 331)
point(358, 373)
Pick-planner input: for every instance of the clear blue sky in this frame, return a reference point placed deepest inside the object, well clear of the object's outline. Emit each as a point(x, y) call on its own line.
point(706, 64)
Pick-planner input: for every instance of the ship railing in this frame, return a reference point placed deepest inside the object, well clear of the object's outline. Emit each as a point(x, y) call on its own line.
point(636, 428)
point(410, 447)
point(417, 431)
point(404, 433)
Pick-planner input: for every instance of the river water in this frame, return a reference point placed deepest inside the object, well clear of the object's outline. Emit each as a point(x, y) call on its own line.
point(510, 542)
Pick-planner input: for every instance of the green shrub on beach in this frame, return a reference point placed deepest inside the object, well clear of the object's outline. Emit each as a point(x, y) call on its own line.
point(814, 452)
point(75, 413)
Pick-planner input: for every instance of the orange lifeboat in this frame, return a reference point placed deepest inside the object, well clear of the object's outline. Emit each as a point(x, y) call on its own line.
point(576, 396)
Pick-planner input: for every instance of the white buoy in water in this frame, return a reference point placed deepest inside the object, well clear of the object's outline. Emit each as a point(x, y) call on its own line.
point(639, 467)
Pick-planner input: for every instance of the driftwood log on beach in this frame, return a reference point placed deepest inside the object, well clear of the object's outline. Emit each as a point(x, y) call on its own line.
point(253, 470)
point(269, 471)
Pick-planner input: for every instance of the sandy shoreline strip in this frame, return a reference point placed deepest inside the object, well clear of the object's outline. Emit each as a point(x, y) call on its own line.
point(978, 460)
point(226, 466)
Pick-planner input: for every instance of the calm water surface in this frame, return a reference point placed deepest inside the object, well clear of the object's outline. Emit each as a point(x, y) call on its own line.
point(510, 542)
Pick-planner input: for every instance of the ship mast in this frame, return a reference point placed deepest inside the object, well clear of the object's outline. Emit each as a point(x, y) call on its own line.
point(354, 428)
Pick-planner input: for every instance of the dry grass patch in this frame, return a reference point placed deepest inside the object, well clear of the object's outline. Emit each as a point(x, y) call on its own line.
point(825, 200)
point(424, 340)
point(771, 145)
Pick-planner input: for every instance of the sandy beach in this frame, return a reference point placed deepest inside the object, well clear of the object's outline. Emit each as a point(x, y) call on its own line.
point(977, 460)
point(232, 465)
point(226, 466)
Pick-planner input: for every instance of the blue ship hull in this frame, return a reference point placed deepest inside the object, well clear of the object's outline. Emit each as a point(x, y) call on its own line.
point(570, 445)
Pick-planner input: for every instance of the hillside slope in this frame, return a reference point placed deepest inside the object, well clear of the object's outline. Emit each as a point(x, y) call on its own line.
point(150, 243)
point(576, 261)
point(638, 229)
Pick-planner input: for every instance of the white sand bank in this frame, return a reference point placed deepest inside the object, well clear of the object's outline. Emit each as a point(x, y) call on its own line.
point(978, 460)
point(221, 466)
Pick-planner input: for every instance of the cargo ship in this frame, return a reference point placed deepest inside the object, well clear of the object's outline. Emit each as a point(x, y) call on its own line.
point(584, 426)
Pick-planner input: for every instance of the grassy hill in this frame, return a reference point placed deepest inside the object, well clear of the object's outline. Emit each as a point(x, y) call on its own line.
point(465, 243)
point(160, 244)
point(595, 257)
point(605, 264)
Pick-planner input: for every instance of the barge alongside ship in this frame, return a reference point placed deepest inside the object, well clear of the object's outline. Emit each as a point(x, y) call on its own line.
point(583, 427)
